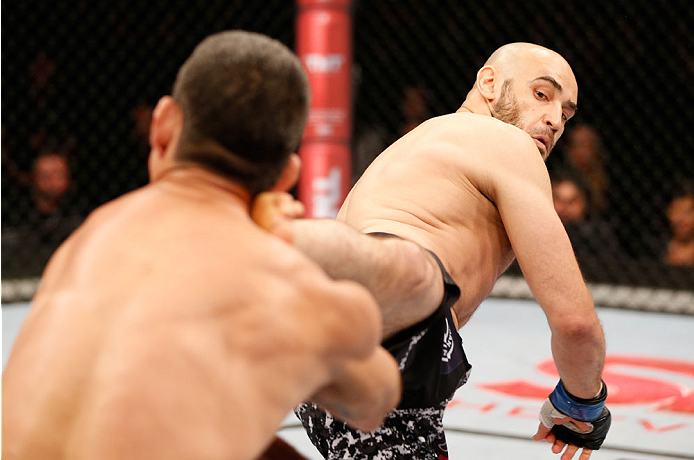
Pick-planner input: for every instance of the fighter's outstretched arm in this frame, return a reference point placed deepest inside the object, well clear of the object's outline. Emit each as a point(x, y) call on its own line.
point(404, 278)
point(364, 382)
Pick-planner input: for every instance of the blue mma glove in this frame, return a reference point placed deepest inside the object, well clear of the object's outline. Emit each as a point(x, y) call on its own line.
point(592, 411)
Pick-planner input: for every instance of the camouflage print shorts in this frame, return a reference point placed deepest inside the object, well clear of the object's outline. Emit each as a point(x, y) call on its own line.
point(407, 434)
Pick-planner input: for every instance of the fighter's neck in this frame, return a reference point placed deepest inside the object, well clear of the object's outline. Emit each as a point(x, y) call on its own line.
point(473, 105)
point(195, 178)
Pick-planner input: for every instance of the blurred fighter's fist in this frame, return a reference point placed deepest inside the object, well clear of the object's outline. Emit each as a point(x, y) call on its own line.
point(273, 212)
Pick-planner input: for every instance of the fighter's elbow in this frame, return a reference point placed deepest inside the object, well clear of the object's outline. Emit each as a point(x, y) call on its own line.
point(579, 328)
point(368, 424)
point(377, 406)
point(373, 417)
point(365, 391)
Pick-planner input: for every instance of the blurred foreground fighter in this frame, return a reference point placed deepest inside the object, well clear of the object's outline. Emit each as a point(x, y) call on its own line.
point(170, 325)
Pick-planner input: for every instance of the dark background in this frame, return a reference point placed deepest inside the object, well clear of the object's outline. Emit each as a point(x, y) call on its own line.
point(73, 72)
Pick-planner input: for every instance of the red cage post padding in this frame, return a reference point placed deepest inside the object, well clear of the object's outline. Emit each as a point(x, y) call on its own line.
point(324, 45)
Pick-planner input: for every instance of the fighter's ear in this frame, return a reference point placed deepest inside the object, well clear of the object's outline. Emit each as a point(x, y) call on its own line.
point(164, 132)
point(487, 81)
point(289, 175)
point(167, 121)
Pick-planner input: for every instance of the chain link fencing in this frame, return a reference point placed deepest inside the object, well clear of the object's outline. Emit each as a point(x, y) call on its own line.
point(79, 79)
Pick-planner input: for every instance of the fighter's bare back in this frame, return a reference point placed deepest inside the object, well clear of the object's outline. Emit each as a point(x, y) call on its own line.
point(168, 313)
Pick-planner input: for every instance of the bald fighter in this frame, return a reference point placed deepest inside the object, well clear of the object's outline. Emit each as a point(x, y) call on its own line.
point(446, 208)
point(170, 325)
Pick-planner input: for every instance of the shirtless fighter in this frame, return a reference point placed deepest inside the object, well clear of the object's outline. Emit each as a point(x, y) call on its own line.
point(446, 208)
point(170, 325)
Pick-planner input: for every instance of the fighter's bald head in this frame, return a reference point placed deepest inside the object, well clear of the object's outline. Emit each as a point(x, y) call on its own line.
point(528, 86)
point(511, 57)
point(523, 70)
point(525, 62)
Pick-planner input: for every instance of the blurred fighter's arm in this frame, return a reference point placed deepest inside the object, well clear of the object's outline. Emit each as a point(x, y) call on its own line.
point(363, 391)
point(404, 279)
point(364, 383)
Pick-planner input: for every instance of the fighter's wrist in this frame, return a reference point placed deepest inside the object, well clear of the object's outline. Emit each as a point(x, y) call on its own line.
point(578, 408)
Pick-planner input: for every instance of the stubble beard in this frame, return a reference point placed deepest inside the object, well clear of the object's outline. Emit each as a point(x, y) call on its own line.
point(508, 110)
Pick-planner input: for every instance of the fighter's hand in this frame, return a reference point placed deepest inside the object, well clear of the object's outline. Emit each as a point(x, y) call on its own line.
point(574, 423)
point(545, 433)
point(273, 212)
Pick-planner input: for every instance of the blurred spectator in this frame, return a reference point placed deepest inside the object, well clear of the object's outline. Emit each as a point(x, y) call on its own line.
point(680, 216)
point(369, 142)
point(414, 108)
point(590, 234)
point(372, 140)
point(586, 155)
point(51, 179)
point(46, 216)
point(570, 194)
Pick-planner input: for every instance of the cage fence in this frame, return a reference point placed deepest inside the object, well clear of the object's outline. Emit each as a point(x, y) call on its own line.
point(80, 79)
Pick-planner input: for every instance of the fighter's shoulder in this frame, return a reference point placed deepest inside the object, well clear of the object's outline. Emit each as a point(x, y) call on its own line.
point(481, 144)
point(469, 127)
